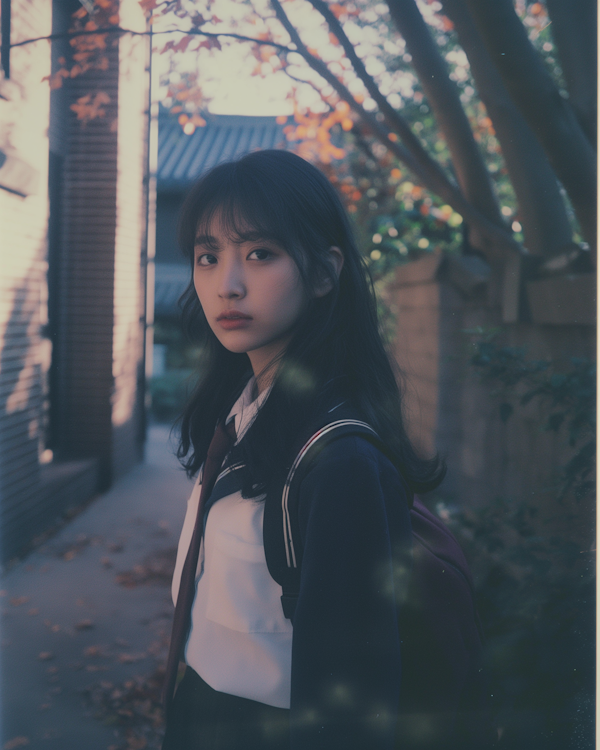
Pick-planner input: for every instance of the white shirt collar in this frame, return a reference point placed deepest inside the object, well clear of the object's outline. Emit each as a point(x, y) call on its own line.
point(246, 408)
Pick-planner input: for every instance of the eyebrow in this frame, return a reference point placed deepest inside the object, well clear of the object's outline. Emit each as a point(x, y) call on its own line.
point(207, 240)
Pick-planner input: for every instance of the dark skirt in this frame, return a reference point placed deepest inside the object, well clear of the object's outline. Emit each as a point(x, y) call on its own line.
point(201, 718)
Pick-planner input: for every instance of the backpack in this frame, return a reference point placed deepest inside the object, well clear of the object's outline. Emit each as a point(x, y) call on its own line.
point(444, 703)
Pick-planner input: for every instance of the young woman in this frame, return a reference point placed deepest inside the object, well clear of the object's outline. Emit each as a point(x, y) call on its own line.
point(284, 309)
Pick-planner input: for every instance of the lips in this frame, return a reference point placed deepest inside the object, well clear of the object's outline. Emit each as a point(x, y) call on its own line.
point(233, 315)
point(232, 319)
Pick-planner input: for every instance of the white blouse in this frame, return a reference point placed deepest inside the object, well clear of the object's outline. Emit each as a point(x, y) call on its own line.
point(240, 642)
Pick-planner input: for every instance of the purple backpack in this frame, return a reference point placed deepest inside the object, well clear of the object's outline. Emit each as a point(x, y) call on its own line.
point(444, 703)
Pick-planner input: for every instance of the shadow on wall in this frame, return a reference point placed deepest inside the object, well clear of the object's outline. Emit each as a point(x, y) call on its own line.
point(33, 497)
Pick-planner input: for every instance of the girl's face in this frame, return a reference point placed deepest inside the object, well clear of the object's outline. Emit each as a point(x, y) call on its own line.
point(250, 290)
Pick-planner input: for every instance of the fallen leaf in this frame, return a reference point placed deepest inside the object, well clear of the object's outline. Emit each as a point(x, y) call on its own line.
point(106, 562)
point(45, 706)
point(34, 611)
point(84, 625)
point(45, 655)
point(16, 742)
point(130, 658)
point(16, 601)
point(92, 651)
point(55, 628)
point(3, 592)
point(52, 670)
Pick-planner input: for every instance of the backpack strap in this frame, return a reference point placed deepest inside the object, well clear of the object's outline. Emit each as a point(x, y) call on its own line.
point(288, 574)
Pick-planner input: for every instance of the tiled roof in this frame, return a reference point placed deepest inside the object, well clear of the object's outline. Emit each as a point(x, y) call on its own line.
point(183, 158)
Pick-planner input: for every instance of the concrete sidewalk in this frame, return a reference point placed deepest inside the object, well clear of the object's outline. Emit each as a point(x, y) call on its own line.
point(86, 618)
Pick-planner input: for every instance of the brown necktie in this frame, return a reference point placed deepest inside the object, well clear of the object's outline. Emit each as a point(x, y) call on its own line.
point(219, 447)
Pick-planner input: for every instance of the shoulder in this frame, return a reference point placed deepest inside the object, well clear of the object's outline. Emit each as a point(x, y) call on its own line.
point(352, 465)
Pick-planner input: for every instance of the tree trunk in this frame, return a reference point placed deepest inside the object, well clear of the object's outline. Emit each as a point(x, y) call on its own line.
point(443, 96)
point(496, 241)
point(551, 118)
point(574, 24)
point(541, 207)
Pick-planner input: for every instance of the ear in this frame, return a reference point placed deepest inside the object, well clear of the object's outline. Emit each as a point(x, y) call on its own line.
point(337, 261)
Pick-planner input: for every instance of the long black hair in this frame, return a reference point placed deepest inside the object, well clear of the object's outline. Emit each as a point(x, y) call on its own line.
point(337, 340)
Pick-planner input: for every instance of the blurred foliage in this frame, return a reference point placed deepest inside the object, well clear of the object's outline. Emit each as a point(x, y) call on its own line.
point(169, 390)
point(169, 393)
point(535, 585)
point(567, 392)
point(536, 599)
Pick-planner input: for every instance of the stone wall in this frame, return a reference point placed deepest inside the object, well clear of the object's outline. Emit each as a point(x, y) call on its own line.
point(452, 411)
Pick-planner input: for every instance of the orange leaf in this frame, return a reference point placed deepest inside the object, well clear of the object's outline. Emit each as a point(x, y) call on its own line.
point(333, 39)
point(347, 124)
point(281, 119)
point(447, 24)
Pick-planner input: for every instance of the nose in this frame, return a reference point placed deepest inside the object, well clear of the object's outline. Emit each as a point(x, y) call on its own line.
point(231, 282)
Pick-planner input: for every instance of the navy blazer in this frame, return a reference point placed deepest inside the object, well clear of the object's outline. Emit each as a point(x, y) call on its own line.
point(356, 535)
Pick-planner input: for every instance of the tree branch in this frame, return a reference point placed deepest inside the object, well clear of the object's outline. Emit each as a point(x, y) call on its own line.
point(119, 31)
point(443, 96)
point(551, 118)
point(574, 25)
point(499, 239)
point(542, 211)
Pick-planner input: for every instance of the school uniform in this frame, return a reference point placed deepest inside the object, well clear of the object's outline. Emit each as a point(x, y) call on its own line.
point(332, 680)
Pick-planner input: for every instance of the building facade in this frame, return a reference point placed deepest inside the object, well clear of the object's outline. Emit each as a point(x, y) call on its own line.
point(73, 207)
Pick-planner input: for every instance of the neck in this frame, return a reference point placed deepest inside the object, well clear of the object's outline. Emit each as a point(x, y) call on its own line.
point(264, 366)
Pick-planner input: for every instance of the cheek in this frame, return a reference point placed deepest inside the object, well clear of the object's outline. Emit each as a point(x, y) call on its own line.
point(288, 295)
point(200, 287)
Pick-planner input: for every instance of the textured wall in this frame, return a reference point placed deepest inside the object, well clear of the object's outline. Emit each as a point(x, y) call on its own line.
point(450, 410)
point(24, 354)
point(75, 273)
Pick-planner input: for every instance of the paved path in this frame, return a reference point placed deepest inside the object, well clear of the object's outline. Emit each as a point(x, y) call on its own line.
point(86, 618)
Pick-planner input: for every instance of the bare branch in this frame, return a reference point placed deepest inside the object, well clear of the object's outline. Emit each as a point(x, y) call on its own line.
point(119, 31)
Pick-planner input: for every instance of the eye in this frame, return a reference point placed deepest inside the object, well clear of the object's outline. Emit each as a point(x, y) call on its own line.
point(206, 259)
point(261, 253)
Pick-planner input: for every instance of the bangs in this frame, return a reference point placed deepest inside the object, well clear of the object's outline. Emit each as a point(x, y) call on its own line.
point(242, 205)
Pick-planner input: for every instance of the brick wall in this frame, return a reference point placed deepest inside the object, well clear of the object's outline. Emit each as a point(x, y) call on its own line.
point(80, 391)
point(103, 309)
point(451, 411)
point(24, 354)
